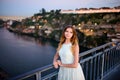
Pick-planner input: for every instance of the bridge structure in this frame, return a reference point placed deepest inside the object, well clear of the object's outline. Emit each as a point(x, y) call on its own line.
point(89, 11)
point(97, 64)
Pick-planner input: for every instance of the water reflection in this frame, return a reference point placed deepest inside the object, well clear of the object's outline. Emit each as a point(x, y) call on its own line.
point(39, 41)
point(20, 54)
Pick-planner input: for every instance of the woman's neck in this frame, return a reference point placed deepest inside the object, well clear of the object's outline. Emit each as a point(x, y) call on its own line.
point(67, 41)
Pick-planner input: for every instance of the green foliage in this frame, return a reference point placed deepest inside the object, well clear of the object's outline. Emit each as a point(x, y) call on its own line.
point(15, 24)
point(56, 34)
point(1, 21)
point(100, 40)
point(90, 41)
point(28, 22)
point(36, 35)
point(114, 21)
point(94, 41)
point(80, 35)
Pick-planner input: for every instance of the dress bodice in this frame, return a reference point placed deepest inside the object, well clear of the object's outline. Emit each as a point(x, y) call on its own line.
point(66, 54)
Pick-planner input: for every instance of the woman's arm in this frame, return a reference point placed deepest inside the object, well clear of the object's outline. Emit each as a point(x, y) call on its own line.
point(55, 63)
point(76, 59)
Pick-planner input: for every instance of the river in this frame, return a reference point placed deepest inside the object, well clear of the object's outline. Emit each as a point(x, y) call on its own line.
point(21, 53)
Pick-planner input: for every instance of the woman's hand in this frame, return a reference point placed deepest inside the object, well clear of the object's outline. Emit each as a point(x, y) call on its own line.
point(55, 64)
point(59, 62)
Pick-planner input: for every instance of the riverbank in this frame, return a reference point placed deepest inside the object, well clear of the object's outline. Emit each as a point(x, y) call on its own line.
point(53, 39)
point(82, 48)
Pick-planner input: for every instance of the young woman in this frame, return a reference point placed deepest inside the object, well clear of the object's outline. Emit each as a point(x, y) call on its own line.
point(68, 51)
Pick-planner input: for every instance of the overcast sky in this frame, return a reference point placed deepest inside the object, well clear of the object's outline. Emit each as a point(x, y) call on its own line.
point(29, 7)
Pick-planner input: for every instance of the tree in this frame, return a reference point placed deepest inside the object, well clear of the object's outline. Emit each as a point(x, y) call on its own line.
point(1, 21)
point(43, 11)
point(81, 36)
point(15, 24)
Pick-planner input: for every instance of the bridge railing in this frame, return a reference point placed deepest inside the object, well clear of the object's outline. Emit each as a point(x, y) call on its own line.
point(96, 63)
point(101, 61)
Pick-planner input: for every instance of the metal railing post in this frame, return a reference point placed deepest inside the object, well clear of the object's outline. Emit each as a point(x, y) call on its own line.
point(102, 66)
point(38, 76)
point(91, 69)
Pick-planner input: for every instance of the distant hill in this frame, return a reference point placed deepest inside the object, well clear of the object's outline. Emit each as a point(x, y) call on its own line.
point(12, 17)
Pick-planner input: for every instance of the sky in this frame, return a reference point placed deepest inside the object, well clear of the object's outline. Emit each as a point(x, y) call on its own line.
point(30, 7)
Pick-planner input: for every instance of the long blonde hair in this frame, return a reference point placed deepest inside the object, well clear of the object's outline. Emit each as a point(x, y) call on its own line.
point(74, 39)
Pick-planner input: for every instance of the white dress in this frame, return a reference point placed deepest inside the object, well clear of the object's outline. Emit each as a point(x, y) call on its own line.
point(67, 57)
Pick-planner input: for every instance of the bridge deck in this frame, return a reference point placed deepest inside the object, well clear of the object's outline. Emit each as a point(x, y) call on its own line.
point(115, 75)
